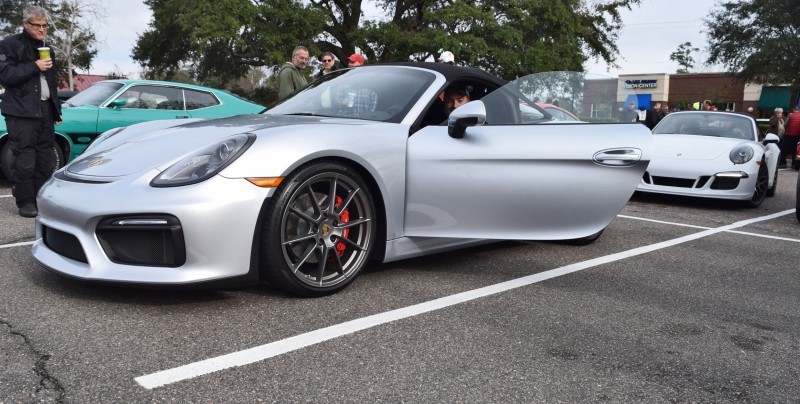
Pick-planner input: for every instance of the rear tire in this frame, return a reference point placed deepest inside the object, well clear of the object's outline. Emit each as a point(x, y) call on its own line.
point(319, 230)
point(585, 240)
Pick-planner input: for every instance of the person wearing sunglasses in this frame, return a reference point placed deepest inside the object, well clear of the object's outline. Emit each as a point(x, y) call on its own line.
point(30, 107)
point(329, 64)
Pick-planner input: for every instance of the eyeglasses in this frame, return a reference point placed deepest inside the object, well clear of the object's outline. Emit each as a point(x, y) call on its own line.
point(41, 26)
point(327, 60)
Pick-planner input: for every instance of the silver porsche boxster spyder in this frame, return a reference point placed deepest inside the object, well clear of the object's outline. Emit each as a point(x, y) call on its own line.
point(362, 165)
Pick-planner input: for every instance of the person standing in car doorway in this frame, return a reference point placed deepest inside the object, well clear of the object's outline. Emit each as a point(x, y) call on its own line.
point(30, 107)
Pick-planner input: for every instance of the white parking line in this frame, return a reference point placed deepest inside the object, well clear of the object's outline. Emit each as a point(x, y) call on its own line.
point(276, 348)
point(6, 196)
point(16, 244)
point(703, 227)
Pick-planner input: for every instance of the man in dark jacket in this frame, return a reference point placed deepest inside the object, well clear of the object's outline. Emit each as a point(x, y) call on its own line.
point(653, 116)
point(30, 107)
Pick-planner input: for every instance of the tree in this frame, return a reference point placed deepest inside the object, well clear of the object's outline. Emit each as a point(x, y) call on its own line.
point(756, 40)
point(507, 37)
point(69, 32)
point(683, 56)
point(72, 37)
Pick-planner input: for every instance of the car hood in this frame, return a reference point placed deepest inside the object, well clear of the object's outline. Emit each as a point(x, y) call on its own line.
point(690, 147)
point(159, 144)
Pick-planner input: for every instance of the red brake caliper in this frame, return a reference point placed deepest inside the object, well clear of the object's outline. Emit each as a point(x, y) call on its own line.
point(344, 218)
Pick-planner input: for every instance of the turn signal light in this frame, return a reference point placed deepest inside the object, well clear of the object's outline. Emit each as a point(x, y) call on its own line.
point(266, 182)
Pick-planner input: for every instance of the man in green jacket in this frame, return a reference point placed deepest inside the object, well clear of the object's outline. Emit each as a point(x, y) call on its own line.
point(290, 78)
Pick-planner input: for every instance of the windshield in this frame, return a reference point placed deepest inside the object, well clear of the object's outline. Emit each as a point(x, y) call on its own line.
point(94, 95)
point(380, 93)
point(553, 97)
point(707, 124)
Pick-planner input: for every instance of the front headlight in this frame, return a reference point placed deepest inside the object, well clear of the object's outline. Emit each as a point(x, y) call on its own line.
point(204, 163)
point(741, 154)
point(103, 137)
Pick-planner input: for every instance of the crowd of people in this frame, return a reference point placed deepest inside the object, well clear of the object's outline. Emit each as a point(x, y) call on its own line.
point(291, 78)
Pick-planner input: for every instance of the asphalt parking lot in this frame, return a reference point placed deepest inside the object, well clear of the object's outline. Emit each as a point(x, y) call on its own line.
point(680, 300)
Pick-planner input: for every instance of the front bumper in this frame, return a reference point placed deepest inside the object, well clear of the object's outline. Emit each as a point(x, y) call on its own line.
point(726, 181)
point(210, 236)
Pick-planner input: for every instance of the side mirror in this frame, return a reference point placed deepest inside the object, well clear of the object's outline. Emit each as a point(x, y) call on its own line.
point(117, 103)
point(472, 113)
point(771, 138)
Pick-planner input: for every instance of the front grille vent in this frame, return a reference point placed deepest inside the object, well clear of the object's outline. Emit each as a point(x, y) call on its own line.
point(64, 244)
point(151, 240)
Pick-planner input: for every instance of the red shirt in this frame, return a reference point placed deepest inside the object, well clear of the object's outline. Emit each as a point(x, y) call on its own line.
point(793, 126)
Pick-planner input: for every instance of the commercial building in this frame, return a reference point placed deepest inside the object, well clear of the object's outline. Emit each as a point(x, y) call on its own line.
point(678, 90)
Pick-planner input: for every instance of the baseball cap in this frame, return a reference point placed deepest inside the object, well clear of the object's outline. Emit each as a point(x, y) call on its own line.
point(356, 58)
point(447, 57)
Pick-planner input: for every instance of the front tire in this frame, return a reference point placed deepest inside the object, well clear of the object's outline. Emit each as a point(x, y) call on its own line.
point(7, 159)
point(774, 188)
point(760, 190)
point(319, 231)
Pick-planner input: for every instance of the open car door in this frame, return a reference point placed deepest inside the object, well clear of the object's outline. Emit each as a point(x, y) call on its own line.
point(504, 169)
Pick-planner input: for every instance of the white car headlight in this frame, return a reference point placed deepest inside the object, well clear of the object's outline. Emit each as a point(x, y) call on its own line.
point(741, 154)
point(204, 163)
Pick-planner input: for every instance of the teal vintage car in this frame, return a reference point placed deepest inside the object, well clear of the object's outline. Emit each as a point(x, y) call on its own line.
point(115, 103)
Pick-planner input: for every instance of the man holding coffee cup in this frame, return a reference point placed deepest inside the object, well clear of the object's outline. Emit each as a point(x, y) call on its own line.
point(30, 107)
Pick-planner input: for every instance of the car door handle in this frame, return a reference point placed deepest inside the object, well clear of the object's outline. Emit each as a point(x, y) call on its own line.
point(618, 157)
point(182, 116)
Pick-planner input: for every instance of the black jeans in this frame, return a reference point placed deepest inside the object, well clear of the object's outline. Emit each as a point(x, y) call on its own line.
point(32, 142)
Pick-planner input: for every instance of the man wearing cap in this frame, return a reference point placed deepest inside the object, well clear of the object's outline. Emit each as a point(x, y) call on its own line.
point(30, 108)
point(630, 114)
point(447, 57)
point(358, 99)
point(290, 78)
point(355, 60)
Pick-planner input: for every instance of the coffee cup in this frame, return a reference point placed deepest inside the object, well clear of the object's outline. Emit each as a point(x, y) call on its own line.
point(44, 53)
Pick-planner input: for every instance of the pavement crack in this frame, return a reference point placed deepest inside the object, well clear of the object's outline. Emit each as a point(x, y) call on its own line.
point(47, 383)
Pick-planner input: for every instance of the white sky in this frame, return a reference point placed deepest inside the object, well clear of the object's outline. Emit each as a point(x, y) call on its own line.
point(652, 31)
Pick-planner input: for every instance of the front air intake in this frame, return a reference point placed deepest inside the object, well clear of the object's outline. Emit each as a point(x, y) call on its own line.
point(149, 240)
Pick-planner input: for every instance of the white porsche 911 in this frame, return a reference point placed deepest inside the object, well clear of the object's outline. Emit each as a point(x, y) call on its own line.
point(712, 154)
point(360, 165)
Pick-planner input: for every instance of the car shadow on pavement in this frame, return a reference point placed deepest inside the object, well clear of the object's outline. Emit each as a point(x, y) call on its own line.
point(118, 293)
point(687, 201)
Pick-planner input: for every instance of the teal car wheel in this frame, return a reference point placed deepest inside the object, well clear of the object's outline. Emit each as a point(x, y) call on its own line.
point(7, 159)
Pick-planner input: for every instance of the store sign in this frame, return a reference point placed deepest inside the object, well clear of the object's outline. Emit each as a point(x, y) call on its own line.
point(641, 83)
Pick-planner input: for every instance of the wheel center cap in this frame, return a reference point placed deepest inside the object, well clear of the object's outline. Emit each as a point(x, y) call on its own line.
point(325, 229)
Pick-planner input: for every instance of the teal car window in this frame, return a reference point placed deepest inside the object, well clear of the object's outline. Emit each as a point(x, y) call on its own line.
point(153, 97)
point(199, 99)
point(95, 95)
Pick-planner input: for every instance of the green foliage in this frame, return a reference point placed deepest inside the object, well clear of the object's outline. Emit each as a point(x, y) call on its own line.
point(510, 38)
point(757, 40)
point(683, 56)
point(223, 37)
